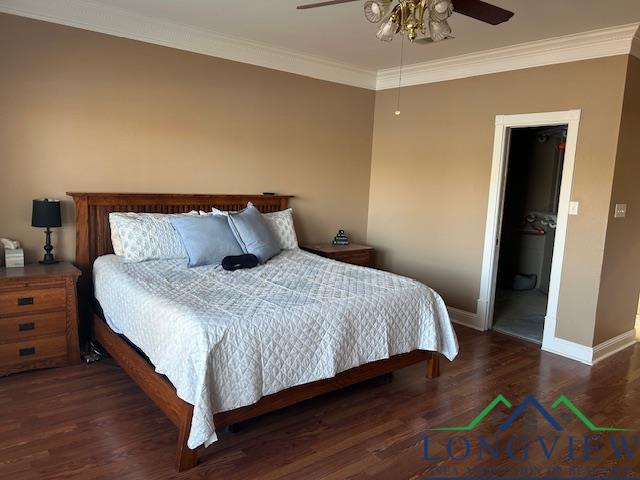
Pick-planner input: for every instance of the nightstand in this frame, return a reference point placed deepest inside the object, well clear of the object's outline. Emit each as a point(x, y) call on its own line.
point(38, 317)
point(353, 253)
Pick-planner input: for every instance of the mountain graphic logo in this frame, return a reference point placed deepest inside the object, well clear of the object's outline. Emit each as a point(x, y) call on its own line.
point(530, 402)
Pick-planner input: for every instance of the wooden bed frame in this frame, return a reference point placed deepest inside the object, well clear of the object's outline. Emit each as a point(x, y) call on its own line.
point(93, 239)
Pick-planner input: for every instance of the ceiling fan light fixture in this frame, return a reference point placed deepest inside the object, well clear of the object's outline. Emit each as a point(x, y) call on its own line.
point(439, 30)
point(421, 18)
point(375, 10)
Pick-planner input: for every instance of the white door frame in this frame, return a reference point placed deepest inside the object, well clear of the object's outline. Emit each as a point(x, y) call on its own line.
point(504, 124)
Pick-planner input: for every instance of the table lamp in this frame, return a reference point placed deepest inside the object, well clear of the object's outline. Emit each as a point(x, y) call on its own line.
point(46, 214)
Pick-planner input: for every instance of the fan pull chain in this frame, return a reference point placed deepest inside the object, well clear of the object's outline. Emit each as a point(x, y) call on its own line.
point(400, 76)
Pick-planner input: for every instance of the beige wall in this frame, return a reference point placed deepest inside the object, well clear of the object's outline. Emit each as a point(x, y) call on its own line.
point(431, 168)
point(81, 111)
point(620, 279)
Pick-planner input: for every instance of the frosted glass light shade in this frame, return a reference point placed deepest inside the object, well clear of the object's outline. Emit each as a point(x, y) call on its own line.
point(375, 10)
point(440, 10)
point(439, 30)
point(387, 31)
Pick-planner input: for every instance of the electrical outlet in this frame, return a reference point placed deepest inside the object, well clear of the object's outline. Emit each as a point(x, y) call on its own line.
point(574, 208)
point(621, 210)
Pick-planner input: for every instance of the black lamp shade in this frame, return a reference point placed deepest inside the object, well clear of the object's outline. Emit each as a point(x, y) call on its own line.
point(46, 214)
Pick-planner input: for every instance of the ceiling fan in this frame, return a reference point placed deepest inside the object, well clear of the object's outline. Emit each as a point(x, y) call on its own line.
point(424, 18)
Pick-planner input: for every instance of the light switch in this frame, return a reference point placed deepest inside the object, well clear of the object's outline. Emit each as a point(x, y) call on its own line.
point(574, 208)
point(621, 210)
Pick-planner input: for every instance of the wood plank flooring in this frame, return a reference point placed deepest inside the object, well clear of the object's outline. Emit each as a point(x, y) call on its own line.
point(92, 422)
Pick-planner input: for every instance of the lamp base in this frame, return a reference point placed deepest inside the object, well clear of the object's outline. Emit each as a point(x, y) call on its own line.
point(48, 259)
point(48, 262)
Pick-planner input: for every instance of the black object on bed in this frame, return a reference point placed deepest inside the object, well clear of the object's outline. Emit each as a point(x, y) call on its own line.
point(236, 262)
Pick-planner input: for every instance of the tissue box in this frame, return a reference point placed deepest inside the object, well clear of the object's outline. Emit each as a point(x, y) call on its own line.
point(14, 258)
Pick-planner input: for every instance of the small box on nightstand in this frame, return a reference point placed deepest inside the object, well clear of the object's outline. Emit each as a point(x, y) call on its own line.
point(14, 258)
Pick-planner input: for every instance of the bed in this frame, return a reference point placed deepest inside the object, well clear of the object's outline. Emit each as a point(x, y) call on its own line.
point(212, 348)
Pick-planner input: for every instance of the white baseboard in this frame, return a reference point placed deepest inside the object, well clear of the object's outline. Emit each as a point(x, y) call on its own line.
point(614, 345)
point(555, 345)
point(467, 319)
point(572, 350)
point(590, 355)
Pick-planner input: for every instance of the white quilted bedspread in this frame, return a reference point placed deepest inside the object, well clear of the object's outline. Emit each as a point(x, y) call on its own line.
point(225, 339)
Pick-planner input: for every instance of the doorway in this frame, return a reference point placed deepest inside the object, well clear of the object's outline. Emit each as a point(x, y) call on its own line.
point(505, 124)
point(535, 161)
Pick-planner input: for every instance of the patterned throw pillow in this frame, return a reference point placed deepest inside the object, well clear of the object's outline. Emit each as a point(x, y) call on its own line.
point(116, 240)
point(145, 236)
point(281, 225)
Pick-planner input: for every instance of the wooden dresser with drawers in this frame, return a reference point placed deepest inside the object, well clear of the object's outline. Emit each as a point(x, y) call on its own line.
point(38, 317)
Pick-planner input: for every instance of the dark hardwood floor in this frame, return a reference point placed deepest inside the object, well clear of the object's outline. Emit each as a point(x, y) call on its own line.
point(92, 422)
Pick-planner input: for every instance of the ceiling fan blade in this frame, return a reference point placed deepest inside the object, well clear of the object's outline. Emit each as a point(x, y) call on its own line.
point(429, 40)
point(483, 11)
point(323, 4)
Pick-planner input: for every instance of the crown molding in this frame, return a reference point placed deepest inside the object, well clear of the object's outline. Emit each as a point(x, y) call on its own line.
point(570, 48)
point(88, 15)
point(121, 23)
point(635, 45)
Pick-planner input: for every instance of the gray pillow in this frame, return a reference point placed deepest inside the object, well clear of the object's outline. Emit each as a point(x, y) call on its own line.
point(207, 239)
point(253, 234)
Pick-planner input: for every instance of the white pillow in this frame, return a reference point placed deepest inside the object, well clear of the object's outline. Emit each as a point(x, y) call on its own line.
point(116, 240)
point(280, 223)
point(145, 236)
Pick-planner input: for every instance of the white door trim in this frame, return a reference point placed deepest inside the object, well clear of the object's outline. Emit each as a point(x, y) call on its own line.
point(504, 124)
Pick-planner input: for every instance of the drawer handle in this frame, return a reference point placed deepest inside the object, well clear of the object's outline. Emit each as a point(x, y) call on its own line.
point(24, 352)
point(23, 327)
point(25, 301)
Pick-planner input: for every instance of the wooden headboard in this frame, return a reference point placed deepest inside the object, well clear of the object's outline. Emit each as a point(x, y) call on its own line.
point(93, 234)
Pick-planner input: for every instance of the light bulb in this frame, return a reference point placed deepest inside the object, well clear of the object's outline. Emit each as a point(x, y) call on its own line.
point(397, 113)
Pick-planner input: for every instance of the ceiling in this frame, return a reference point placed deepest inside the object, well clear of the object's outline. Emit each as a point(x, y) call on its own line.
point(342, 34)
point(337, 44)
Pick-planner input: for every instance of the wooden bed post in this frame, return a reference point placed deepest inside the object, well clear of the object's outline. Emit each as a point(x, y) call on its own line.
point(83, 262)
point(433, 365)
point(185, 457)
